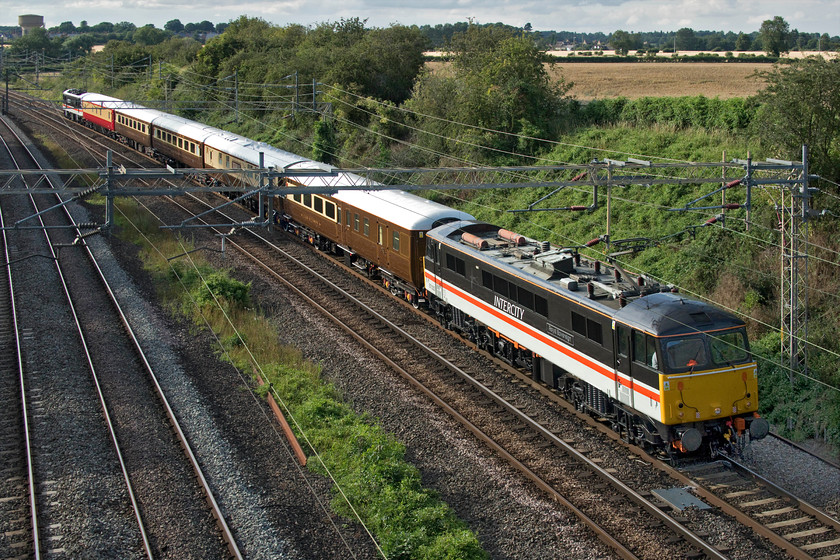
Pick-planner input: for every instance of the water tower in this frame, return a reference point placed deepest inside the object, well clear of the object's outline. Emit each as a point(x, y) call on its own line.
point(29, 22)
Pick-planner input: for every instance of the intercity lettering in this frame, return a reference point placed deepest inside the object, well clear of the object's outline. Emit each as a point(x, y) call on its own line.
point(508, 307)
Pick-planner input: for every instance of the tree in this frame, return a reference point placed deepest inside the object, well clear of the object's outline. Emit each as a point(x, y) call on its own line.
point(498, 84)
point(66, 27)
point(686, 40)
point(79, 44)
point(103, 27)
point(743, 42)
point(150, 35)
point(174, 25)
point(624, 42)
point(36, 41)
point(801, 105)
point(774, 35)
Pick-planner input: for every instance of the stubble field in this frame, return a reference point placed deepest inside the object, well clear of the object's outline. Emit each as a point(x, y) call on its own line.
point(628, 79)
point(599, 80)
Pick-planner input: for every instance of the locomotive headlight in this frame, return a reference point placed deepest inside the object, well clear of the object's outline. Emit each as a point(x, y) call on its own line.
point(717, 411)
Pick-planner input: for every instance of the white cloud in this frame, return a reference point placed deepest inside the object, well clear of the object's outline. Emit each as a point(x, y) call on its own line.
point(560, 15)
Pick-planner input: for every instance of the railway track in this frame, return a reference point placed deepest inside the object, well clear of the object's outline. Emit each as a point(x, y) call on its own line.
point(17, 484)
point(117, 367)
point(797, 527)
point(512, 418)
point(540, 455)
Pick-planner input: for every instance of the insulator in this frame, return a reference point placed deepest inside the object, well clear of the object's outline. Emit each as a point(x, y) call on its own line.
point(514, 238)
point(617, 274)
point(87, 225)
point(641, 280)
point(622, 300)
point(597, 267)
point(732, 206)
point(734, 183)
point(474, 240)
point(578, 208)
point(590, 289)
point(577, 259)
point(87, 192)
point(593, 242)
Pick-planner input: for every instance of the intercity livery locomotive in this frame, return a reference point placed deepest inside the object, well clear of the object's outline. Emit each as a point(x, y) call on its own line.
point(668, 372)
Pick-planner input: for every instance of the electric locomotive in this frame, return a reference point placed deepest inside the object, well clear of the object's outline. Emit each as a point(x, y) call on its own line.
point(666, 371)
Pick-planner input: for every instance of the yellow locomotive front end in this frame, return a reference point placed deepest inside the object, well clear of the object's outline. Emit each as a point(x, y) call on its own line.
point(709, 388)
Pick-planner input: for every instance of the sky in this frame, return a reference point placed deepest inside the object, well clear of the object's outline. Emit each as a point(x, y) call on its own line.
point(587, 16)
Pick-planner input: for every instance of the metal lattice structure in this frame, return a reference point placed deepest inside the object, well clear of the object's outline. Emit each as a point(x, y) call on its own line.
point(794, 211)
point(790, 178)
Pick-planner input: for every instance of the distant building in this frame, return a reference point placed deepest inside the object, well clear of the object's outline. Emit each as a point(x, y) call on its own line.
point(29, 22)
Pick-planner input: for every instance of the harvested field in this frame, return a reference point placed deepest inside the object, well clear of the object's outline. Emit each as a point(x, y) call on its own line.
point(632, 80)
point(598, 80)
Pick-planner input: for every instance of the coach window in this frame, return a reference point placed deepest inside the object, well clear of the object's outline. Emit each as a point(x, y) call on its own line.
point(180, 143)
point(381, 235)
point(337, 214)
point(307, 200)
point(356, 222)
point(319, 204)
point(395, 242)
point(367, 228)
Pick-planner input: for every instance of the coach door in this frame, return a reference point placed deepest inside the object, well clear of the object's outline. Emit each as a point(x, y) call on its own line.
point(623, 374)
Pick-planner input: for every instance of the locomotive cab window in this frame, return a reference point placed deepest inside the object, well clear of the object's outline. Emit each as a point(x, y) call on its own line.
point(644, 350)
point(431, 254)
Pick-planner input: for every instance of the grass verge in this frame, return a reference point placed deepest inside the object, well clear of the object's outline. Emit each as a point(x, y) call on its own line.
point(372, 480)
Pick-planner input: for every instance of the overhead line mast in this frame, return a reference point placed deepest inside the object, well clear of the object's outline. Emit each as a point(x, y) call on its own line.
point(790, 177)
